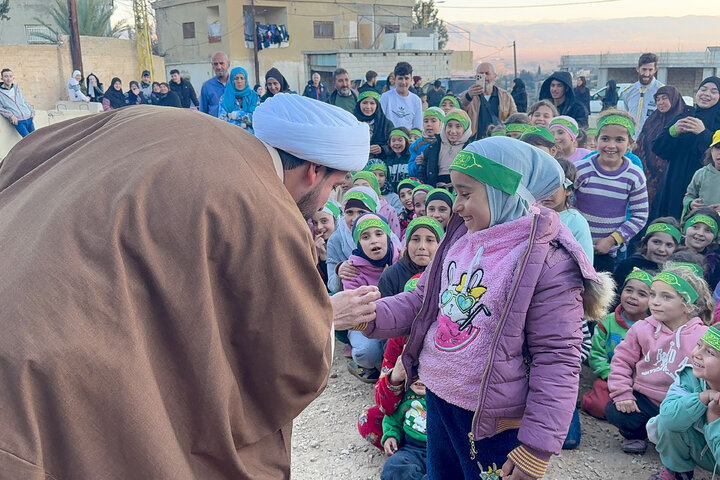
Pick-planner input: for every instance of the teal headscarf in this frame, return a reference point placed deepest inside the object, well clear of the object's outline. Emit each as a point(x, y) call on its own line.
point(249, 97)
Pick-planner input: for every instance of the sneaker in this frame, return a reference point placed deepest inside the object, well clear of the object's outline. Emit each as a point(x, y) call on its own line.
point(670, 475)
point(366, 375)
point(635, 446)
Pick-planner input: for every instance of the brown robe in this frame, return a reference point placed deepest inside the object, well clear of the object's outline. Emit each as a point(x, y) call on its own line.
point(161, 316)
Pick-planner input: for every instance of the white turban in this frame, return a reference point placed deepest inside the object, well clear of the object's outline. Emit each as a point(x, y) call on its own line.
point(314, 131)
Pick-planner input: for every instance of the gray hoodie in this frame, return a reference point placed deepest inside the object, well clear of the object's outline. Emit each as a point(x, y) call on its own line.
point(12, 103)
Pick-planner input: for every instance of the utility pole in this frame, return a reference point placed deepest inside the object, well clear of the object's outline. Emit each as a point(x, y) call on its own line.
point(75, 52)
point(515, 58)
point(142, 37)
point(255, 44)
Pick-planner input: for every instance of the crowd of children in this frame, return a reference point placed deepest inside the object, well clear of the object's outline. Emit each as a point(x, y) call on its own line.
point(513, 230)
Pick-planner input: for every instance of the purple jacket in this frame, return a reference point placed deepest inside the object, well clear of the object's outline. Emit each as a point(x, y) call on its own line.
point(369, 274)
point(531, 379)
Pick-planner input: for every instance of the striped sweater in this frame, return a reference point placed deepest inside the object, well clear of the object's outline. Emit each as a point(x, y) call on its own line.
point(604, 197)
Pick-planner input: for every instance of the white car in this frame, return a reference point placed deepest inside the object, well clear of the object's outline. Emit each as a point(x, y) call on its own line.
point(596, 99)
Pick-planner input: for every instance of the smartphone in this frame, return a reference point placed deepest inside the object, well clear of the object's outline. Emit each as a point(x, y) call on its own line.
point(480, 80)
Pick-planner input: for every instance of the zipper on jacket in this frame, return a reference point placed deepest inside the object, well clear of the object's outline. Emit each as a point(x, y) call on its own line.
point(481, 393)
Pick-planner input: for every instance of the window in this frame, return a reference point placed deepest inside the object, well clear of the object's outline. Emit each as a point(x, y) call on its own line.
point(38, 34)
point(188, 30)
point(324, 29)
point(391, 28)
point(213, 23)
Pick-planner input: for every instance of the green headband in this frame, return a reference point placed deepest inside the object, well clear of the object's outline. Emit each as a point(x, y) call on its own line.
point(694, 267)
point(416, 131)
point(542, 131)
point(487, 171)
point(371, 222)
point(407, 183)
point(421, 188)
point(711, 337)
point(641, 275)
point(333, 209)
point(664, 228)
point(517, 127)
point(370, 178)
point(411, 284)
point(702, 218)
point(439, 192)
point(399, 133)
point(452, 99)
point(377, 166)
point(591, 131)
point(368, 93)
point(679, 284)
point(497, 134)
point(565, 123)
point(434, 113)
point(428, 222)
point(363, 197)
point(458, 118)
point(617, 120)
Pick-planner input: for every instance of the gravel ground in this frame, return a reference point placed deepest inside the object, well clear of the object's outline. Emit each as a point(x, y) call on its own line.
point(326, 444)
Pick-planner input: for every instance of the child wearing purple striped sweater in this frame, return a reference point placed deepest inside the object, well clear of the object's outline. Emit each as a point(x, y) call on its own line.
point(607, 184)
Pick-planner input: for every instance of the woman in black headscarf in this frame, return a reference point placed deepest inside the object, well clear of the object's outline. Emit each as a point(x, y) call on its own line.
point(368, 110)
point(683, 145)
point(582, 93)
point(519, 94)
point(275, 83)
point(670, 104)
point(114, 96)
point(94, 88)
point(611, 97)
point(135, 95)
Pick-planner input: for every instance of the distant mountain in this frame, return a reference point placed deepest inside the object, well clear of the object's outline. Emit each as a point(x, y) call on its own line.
point(542, 44)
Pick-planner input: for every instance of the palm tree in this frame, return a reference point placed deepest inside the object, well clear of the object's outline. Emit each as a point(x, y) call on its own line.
point(93, 20)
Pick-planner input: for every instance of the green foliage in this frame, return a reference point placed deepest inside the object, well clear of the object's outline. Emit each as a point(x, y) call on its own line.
point(93, 19)
point(425, 15)
point(4, 9)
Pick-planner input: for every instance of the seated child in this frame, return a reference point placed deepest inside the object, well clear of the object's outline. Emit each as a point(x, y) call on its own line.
point(405, 189)
point(541, 138)
point(438, 205)
point(566, 130)
point(437, 157)
point(373, 253)
point(700, 234)
point(368, 179)
point(449, 102)
point(433, 122)
point(405, 437)
point(379, 169)
point(634, 297)
point(687, 432)
point(644, 364)
point(516, 124)
point(419, 194)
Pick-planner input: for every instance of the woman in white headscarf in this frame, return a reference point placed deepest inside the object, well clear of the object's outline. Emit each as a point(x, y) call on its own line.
point(75, 88)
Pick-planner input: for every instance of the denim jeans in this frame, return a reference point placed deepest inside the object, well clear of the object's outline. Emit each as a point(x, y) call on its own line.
point(25, 127)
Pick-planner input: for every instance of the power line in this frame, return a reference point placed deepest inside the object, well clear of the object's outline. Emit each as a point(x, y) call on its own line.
point(498, 7)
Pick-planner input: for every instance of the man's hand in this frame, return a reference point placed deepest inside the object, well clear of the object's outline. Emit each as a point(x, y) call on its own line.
point(353, 307)
point(375, 149)
point(475, 90)
point(627, 406)
point(347, 271)
point(604, 245)
point(391, 446)
point(510, 472)
point(13, 120)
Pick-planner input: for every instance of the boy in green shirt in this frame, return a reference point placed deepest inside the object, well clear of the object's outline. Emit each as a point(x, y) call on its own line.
point(408, 423)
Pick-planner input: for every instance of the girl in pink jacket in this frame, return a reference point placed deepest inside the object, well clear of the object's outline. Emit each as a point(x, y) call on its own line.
point(644, 364)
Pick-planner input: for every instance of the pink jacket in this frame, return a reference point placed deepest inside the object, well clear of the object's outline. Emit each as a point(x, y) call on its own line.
point(646, 361)
point(369, 274)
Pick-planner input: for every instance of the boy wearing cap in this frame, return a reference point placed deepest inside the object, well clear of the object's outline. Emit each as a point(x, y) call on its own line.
point(146, 84)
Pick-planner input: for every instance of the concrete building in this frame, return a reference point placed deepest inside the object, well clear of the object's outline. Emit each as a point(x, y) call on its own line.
point(685, 70)
point(23, 26)
point(321, 36)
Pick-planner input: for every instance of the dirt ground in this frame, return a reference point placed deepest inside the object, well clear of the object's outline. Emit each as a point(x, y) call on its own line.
point(327, 445)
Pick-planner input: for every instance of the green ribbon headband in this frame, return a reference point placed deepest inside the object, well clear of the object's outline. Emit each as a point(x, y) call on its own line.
point(399, 133)
point(664, 228)
point(694, 267)
point(375, 166)
point(332, 209)
point(407, 183)
point(497, 134)
point(458, 118)
point(411, 284)
point(517, 127)
point(452, 99)
point(542, 131)
point(370, 178)
point(372, 222)
point(711, 337)
point(487, 171)
point(617, 120)
point(679, 284)
point(434, 113)
point(702, 218)
point(556, 122)
point(431, 223)
point(591, 131)
point(368, 93)
point(416, 131)
point(421, 188)
point(641, 275)
point(366, 199)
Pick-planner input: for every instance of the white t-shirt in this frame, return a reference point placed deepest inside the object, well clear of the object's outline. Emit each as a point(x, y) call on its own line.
point(402, 111)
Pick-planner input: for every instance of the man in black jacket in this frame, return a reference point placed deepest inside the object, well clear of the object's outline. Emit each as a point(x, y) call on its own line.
point(558, 88)
point(183, 89)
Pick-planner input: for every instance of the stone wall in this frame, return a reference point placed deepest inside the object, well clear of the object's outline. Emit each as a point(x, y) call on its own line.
point(42, 71)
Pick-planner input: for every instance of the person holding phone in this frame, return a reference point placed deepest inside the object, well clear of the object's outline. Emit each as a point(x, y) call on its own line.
point(486, 103)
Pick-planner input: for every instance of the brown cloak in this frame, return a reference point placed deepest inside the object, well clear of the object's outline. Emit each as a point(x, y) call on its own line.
point(161, 315)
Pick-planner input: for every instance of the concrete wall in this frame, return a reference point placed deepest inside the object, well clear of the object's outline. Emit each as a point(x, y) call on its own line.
point(42, 71)
point(428, 65)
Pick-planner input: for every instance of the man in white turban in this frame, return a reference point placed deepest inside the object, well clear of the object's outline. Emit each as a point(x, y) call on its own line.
point(162, 315)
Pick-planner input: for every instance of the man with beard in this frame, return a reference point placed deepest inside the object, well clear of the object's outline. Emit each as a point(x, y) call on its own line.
point(343, 96)
point(164, 317)
point(485, 103)
point(640, 96)
point(213, 89)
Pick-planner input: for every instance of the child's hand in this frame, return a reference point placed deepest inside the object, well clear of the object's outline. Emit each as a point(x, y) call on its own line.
point(512, 473)
point(320, 247)
point(375, 149)
point(419, 159)
point(604, 245)
point(398, 375)
point(715, 206)
point(347, 270)
point(627, 406)
point(391, 446)
point(697, 203)
point(713, 411)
